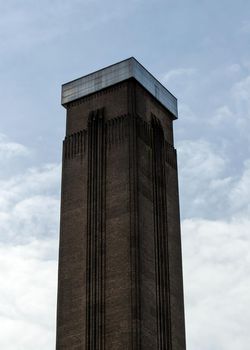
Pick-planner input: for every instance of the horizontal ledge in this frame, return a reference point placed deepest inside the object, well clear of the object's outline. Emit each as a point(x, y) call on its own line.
point(116, 73)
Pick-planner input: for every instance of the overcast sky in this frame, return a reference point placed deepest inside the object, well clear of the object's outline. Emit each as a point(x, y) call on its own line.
point(200, 50)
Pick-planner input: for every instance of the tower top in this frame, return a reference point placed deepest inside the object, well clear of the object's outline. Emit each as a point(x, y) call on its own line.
point(116, 73)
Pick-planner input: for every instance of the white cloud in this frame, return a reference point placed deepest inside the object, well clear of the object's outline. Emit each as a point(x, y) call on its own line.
point(216, 256)
point(44, 180)
point(222, 114)
point(234, 68)
point(226, 91)
point(44, 22)
point(240, 193)
point(28, 279)
point(201, 159)
point(9, 149)
point(186, 113)
point(236, 113)
point(207, 188)
point(29, 204)
point(29, 220)
point(241, 94)
point(241, 89)
point(177, 74)
point(216, 266)
point(203, 179)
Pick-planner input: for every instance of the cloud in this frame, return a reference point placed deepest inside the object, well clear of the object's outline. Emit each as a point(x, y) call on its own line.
point(203, 179)
point(185, 112)
point(9, 149)
point(235, 114)
point(240, 193)
point(43, 180)
point(29, 225)
point(46, 22)
point(29, 204)
point(216, 263)
point(28, 279)
point(241, 94)
point(215, 240)
point(222, 114)
point(178, 74)
point(226, 92)
point(234, 68)
point(200, 159)
point(208, 186)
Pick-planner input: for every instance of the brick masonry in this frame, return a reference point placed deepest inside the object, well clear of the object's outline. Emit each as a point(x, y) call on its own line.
point(120, 269)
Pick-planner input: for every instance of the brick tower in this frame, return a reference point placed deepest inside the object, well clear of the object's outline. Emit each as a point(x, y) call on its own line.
point(120, 270)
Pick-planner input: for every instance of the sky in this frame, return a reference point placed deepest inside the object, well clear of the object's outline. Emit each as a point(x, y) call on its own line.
point(199, 50)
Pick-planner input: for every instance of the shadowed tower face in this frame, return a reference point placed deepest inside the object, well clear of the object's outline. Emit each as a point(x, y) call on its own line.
point(120, 271)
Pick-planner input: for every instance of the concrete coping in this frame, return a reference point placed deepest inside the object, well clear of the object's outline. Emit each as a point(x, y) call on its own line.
point(116, 73)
